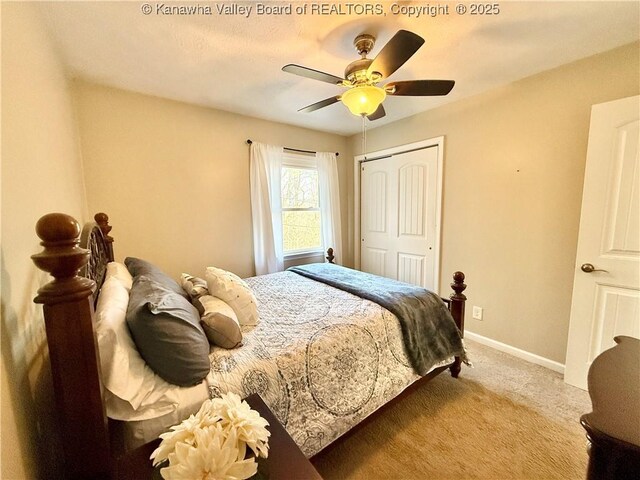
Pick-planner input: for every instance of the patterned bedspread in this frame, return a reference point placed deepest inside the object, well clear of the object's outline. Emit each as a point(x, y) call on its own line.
point(321, 358)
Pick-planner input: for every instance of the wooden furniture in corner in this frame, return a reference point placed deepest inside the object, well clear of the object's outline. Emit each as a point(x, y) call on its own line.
point(613, 427)
point(89, 441)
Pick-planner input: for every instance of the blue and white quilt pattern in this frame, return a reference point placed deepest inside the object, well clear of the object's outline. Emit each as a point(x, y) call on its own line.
point(321, 358)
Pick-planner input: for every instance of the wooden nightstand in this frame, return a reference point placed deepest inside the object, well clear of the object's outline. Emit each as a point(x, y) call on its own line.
point(285, 461)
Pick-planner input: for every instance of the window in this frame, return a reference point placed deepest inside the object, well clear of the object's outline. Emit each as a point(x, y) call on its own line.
point(301, 227)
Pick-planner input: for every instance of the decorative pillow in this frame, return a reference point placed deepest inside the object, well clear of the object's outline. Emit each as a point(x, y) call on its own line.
point(139, 267)
point(130, 382)
point(194, 286)
point(219, 322)
point(166, 329)
point(120, 272)
point(233, 290)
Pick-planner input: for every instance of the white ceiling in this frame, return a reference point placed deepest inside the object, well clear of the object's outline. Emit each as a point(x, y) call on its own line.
point(233, 63)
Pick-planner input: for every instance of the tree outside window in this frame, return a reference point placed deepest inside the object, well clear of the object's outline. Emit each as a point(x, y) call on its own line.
point(300, 210)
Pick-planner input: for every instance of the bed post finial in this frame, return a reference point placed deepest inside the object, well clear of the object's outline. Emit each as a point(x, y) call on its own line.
point(458, 286)
point(330, 256)
point(458, 300)
point(102, 219)
point(68, 317)
point(62, 258)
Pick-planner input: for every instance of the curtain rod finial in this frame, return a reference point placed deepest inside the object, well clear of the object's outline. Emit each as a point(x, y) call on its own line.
point(249, 141)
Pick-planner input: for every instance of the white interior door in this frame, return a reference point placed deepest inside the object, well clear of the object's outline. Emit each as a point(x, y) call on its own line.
point(399, 197)
point(606, 301)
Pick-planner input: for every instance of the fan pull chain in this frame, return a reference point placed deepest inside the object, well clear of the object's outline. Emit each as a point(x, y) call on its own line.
point(364, 136)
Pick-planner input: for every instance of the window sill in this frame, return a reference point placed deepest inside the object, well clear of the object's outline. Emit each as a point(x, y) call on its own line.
point(301, 255)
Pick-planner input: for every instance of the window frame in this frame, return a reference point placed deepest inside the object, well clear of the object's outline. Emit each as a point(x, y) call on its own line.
point(307, 162)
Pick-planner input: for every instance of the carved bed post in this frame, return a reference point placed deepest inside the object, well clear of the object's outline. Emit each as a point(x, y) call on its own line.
point(458, 300)
point(102, 219)
point(75, 368)
point(330, 256)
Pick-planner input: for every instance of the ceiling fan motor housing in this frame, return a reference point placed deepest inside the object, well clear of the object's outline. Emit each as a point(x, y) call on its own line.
point(356, 72)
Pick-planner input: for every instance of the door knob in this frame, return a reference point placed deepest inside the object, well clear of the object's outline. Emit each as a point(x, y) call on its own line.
point(588, 268)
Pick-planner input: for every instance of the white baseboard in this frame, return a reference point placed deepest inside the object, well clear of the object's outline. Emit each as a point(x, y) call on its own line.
point(516, 352)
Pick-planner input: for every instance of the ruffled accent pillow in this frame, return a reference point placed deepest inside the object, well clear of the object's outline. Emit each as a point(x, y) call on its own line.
point(233, 290)
point(196, 287)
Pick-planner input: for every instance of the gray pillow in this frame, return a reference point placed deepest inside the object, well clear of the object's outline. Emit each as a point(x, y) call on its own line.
point(137, 267)
point(166, 330)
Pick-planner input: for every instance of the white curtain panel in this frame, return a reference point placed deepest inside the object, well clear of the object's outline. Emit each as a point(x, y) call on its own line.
point(330, 202)
point(265, 175)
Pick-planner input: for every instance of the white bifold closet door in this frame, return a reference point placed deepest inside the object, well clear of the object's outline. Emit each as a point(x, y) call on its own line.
point(398, 216)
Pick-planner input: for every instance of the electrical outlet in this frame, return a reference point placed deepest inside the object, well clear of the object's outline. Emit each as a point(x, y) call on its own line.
point(477, 313)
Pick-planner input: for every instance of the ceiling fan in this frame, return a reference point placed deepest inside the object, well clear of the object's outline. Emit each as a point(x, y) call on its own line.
point(363, 96)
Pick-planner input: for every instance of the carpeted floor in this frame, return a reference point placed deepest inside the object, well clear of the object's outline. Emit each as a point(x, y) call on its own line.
point(503, 419)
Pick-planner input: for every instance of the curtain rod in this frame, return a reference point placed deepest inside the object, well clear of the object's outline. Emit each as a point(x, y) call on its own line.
point(249, 142)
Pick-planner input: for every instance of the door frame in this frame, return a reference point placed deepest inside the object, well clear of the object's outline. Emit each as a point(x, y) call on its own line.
point(387, 152)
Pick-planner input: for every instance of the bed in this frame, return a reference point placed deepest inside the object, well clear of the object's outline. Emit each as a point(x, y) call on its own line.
point(314, 343)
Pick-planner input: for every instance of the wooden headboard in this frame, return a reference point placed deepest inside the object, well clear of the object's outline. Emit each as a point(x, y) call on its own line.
point(78, 260)
point(95, 238)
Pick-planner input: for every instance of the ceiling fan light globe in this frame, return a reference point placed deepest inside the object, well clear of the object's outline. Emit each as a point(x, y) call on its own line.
point(363, 100)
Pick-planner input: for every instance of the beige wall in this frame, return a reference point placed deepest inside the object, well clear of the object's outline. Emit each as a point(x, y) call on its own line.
point(41, 173)
point(513, 171)
point(174, 178)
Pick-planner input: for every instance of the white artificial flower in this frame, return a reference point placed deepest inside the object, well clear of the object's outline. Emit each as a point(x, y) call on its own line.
point(208, 414)
point(215, 455)
point(249, 426)
point(183, 433)
point(212, 444)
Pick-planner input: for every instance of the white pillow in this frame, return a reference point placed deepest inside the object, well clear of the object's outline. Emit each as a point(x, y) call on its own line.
point(232, 289)
point(219, 322)
point(121, 273)
point(124, 373)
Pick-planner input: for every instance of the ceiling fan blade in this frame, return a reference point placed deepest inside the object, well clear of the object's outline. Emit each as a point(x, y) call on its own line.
point(397, 51)
point(379, 113)
point(420, 88)
point(311, 73)
point(318, 105)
